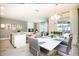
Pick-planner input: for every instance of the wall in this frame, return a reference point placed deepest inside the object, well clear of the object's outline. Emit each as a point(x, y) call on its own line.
point(74, 24)
point(78, 26)
point(51, 25)
point(4, 33)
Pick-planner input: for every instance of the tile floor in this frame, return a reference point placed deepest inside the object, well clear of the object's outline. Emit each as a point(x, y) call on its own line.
point(6, 49)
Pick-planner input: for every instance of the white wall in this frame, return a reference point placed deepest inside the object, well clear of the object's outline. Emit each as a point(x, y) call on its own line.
point(74, 24)
point(51, 25)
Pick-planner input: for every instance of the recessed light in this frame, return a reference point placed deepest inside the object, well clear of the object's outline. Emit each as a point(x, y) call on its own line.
point(56, 4)
point(37, 10)
point(21, 3)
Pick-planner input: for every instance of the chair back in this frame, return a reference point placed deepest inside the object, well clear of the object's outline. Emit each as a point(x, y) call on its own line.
point(67, 40)
point(34, 46)
point(38, 35)
point(70, 41)
point(65, 46)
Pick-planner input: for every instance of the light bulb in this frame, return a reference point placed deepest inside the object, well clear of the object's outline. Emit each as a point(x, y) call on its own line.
point(52, 17)
point(57, 16)
point(2, 25)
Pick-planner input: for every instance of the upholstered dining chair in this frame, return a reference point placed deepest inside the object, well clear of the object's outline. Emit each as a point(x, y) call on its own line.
point(65, 45)
point(37, 35)
point(35, 49)
point(33, 46)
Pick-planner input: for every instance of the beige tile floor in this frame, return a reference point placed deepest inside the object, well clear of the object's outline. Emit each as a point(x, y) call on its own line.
point(6, 49)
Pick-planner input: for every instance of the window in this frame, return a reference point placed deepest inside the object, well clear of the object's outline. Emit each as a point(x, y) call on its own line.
point(43, 27)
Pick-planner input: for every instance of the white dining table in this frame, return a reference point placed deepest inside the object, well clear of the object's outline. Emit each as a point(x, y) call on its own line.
point(49, 43)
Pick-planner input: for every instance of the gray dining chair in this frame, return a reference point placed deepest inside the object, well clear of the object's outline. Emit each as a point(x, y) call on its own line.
point(65, 45)
point(35, 49)
point(37, 35)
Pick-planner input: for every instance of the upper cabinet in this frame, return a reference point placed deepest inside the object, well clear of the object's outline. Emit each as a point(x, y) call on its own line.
point(64, 25)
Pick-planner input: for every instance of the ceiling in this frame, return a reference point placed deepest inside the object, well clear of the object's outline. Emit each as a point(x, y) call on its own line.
point(26, 12)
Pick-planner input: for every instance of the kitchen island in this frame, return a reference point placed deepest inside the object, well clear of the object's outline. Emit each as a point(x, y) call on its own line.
point(18, 39)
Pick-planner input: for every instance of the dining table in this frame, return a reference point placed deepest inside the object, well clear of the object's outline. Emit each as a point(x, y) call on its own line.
point(49, 43)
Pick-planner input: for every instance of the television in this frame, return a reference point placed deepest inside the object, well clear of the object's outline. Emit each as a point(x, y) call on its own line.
point(30, 30)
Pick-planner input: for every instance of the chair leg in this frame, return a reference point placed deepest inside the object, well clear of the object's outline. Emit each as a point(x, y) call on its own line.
point(62, 54)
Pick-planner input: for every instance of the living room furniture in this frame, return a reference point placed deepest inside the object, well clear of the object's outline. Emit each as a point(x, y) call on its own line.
point(35, 49)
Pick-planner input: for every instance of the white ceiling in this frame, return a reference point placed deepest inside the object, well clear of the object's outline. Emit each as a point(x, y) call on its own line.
point(28, 11)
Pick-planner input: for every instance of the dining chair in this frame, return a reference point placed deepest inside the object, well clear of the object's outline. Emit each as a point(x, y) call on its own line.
point(35, 49)
point(33, 46)
point(65, 45)
point(37, 35)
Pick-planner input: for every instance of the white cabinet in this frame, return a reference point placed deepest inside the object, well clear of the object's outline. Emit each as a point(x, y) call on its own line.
point(19, 39)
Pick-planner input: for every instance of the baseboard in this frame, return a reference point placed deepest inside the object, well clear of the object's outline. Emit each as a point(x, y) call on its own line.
point(77, 44)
